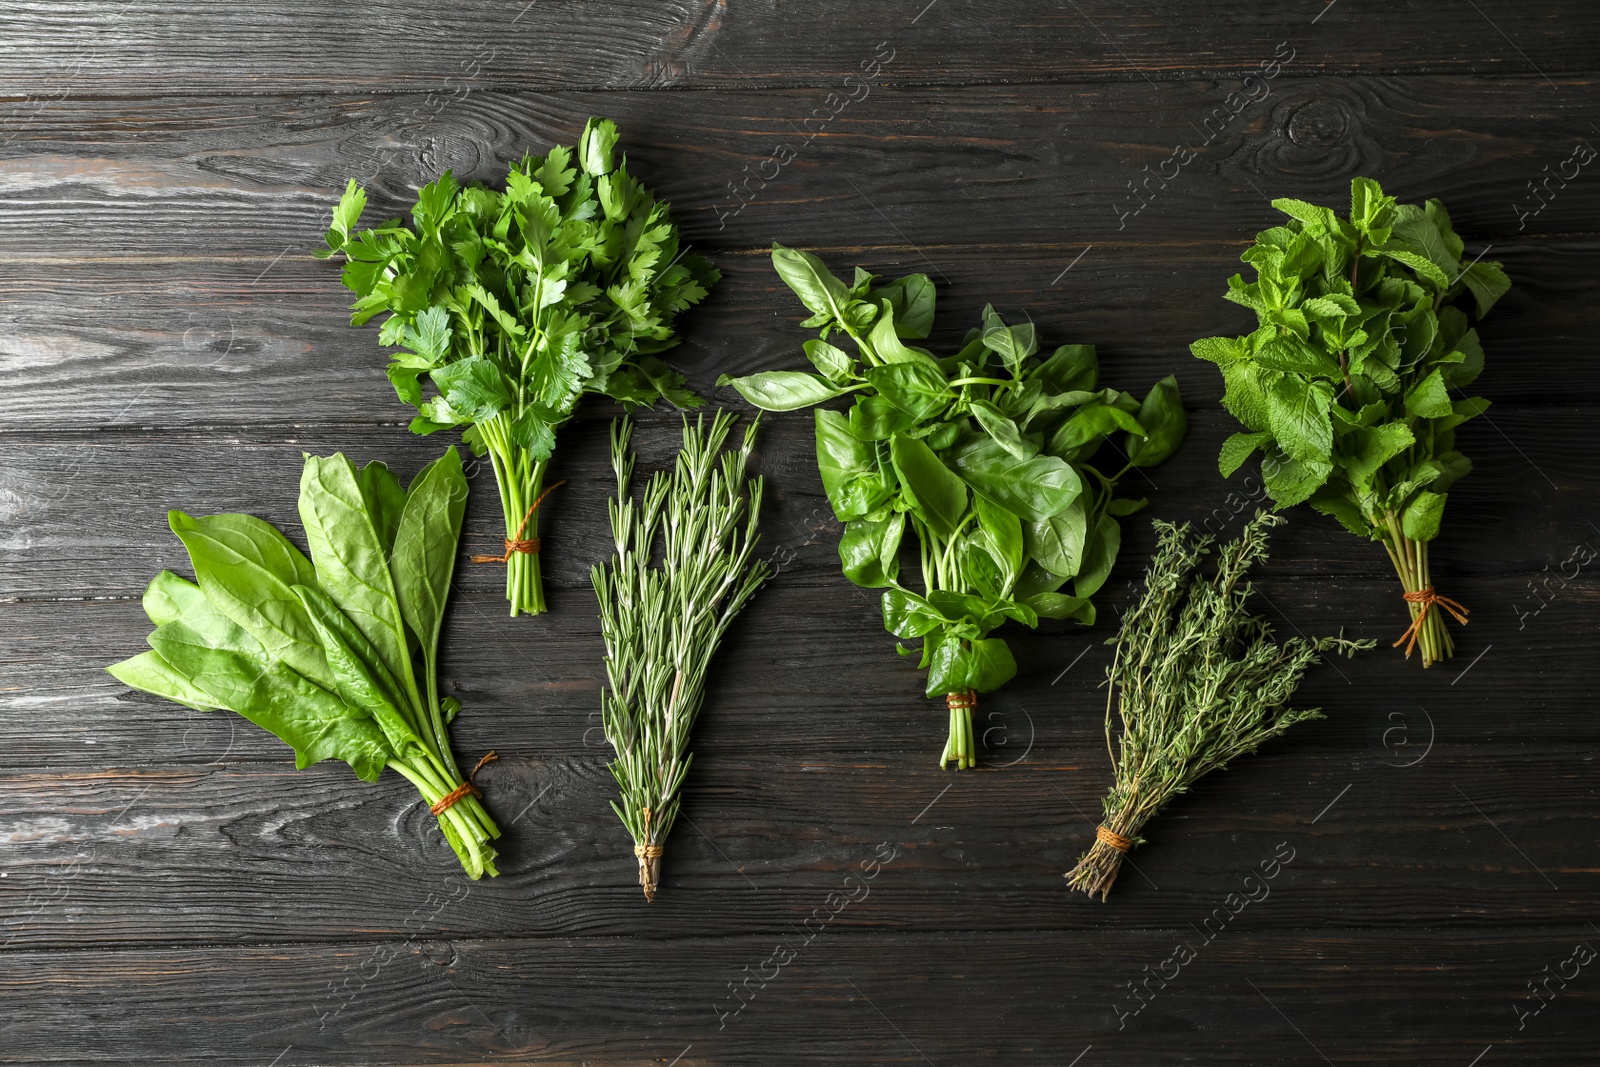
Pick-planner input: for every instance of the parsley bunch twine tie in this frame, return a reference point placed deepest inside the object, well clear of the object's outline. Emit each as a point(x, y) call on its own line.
point(517, 543)
point(1420, 603)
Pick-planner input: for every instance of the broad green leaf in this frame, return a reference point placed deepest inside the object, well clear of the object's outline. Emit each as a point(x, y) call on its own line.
point(834, 363)
point(305, 716)
point(149, 673)
point(1164, 424)
point(246, 568)
point(919, 389)
point(1310, 214)
point(381, 492)
point(1002, 429)
point(1001, 535)
point(1421, 264)
point(595, 147)
point(1367, 449)
point(937, 494)
point(956, 666)
point(1012, 344)
point(1289, 353)
point(1301, 423)
point(873, 418)
point(1079, 436)
point(1429, 398)
point(884, 337)
point(1061, 606)
point(1488, 283)
point(913, 298)
point(1070, 368)
point(1238, 448)
point(1033, 489)
point(168, 596)
point(1335, 500)
point(849, 468)
point(359, 677)
point(1420, 522)
point(473, 387)
point(1099, 555)
point(869, 551)
point(907, 615)
point(812, 282)
point(424, 556)
point(1057, 543)
point(1423, 237)
point(1220, 350)
point(783, 390)
point(351, 564)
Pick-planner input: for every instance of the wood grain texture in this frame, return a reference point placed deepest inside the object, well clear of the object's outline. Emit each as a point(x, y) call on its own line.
point(145, 45)
point(1432, 998)
point(173, 892)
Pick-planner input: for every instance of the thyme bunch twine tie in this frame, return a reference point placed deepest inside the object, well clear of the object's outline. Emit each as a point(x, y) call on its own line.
point(518, 543)
point(1428, 598)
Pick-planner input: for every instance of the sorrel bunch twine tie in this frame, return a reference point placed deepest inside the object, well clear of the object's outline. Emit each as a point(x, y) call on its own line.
point(470, 786)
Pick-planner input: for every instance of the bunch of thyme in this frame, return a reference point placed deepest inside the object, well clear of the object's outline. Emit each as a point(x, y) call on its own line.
point(662, 619)
point(1198, 680)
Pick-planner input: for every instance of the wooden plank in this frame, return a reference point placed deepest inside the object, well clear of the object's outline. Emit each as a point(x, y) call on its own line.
point(187, 294)
point(261, 854)
point(479, 45)
point(1421, 998)
point(87, 513)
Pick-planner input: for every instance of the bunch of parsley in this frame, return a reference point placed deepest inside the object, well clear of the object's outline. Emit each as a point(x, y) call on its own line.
point(1351, 384)
point(513, 304)
point(983, 455)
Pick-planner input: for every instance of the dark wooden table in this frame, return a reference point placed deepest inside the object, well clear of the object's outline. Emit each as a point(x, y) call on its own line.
point(174, 892)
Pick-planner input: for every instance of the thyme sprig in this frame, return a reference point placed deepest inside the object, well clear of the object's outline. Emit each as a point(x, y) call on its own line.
point(1197, 680)
point(663, 618)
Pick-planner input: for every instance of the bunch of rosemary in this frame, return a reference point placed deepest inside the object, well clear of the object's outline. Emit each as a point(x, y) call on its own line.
point(663, 619)
point(1199, 680)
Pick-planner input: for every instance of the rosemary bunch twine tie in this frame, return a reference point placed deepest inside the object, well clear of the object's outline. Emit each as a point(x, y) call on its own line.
point(649, 855)
point(449, 800)
point(517, 543)
point(1428, 598)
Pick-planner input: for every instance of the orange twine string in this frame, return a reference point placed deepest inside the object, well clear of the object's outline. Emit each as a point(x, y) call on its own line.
point(448, 801)
point(1427, 598)
point(516, 543)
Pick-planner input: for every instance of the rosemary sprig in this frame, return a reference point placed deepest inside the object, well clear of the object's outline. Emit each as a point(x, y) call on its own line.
point(1198, 680)
point(662, 619)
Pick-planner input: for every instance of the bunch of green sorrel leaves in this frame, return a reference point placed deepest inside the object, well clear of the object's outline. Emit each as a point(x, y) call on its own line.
point(1197, 679)
point(337, 654)
point(983, 455)
point(513, 304)
point(1351, 384)
point(682, 572)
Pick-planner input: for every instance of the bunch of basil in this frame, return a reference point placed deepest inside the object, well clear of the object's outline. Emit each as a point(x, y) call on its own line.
point(322, 651)
point(983, 454)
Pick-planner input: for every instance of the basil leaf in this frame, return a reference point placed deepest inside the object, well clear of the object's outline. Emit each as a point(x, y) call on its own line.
point(869, 551)
point(907, 615)
point(1060, 606)
point(917, 388)
point(1070, 368)
point(812, 282)
point(938, 495)
point(956, 666)
point(1032, 489)
point(1057, 542)
point(833, 363)
point(783, 390)
point(849, 468)
point(1100, 553)
point(1002, 429)
point(913, 299)
point(1162, 418)
point(874, 418)
point(1001, 536)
